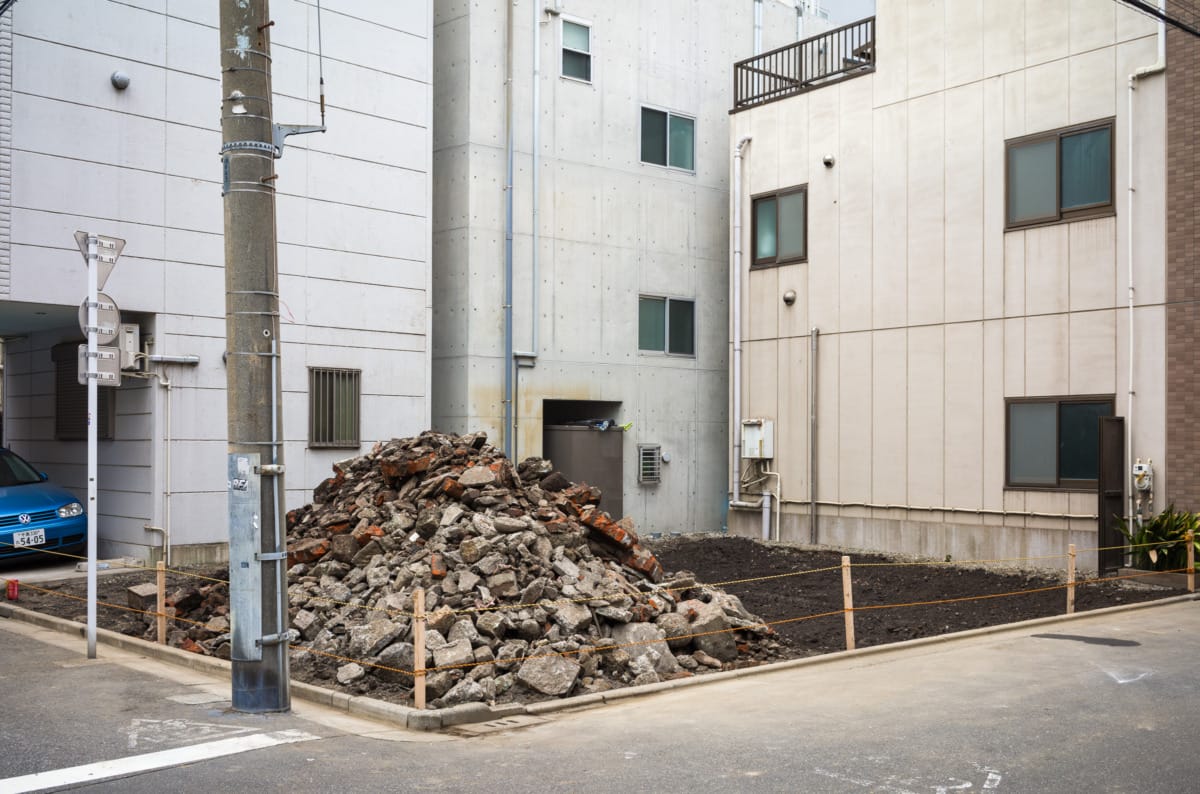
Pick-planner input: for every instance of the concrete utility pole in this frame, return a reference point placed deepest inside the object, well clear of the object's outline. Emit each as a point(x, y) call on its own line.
point(257, 547)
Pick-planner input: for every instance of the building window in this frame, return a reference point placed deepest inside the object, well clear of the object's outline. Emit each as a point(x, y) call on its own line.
point(667, 325)
point(70, 399)
point(649, 463)
point(780, 224)
point(668, 139)
point(1054, 442)
point(1060, 176)
point(576, 51)
point(333, 407)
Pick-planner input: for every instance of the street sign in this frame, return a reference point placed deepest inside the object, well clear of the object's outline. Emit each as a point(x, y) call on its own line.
point(108, 250)
point(108, 318)
point(108, 366)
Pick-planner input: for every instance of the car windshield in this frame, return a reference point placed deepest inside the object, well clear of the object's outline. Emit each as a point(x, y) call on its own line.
point(15, 471)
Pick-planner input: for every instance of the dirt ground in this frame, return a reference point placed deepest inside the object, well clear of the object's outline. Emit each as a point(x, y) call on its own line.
point(779, 600)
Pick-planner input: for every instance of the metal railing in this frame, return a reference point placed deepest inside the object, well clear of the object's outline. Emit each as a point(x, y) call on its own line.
point(831, 57)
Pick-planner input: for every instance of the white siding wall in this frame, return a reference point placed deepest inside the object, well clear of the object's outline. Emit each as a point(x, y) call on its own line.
point(930, 313)
point(143, 164)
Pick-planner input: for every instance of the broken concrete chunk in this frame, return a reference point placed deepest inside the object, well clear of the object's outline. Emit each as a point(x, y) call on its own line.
point(551, 675)
point(477, 477)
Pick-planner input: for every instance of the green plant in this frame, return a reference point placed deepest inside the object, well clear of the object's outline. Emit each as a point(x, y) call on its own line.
point(1159, 543)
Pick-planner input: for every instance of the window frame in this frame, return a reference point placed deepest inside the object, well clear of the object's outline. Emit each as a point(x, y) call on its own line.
point(563, 49)
point(669, 114)
point(329, 436)
point(649, 464)
point(775, 261)
point(1060, 483)
point(666, 348)
point(1098, 210)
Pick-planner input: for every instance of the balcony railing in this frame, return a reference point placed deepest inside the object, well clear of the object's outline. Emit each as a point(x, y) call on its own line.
point(834, 56)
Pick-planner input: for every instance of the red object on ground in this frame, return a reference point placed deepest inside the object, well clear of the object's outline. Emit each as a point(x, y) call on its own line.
point(13, 589)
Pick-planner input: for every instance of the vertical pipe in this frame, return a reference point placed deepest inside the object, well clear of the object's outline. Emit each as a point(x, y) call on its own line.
point(766, 514)
point(509, 396)
point(758, 26)
point(1157, 68)
point(812, 436)
point(736, 320)
point(534, 198)
point(1071, 579)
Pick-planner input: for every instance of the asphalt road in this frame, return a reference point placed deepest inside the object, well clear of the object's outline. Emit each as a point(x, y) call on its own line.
point(1094, 704)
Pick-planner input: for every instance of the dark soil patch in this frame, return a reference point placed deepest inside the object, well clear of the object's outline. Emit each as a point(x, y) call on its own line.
point(879, 581)
point(787, 598)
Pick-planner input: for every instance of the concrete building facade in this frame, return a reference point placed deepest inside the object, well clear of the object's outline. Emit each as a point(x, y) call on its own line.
point(978, 203)
point(618, 238)
point(142, 163)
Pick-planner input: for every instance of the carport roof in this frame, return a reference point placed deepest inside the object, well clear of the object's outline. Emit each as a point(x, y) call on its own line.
point(19, 319)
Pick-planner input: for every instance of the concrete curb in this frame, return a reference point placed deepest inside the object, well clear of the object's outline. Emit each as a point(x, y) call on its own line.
point(434, 720)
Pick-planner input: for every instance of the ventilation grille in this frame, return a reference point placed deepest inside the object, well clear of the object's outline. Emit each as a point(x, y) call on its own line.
point(333, 407)
point(649, 463)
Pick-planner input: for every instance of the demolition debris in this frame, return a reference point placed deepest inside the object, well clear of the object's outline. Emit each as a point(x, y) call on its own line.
point(532, 591)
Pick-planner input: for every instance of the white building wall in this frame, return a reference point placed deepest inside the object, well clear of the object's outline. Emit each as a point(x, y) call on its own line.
point(353, 225)
point(930, 314)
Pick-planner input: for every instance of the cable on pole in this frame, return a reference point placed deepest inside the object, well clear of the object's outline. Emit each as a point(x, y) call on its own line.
point(1161, 15)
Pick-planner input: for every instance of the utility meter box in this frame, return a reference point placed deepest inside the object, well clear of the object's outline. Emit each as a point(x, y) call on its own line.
point(758, 439)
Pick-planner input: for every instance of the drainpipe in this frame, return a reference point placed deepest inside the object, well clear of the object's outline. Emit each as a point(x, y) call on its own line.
point(812, 435)
point(1158, 67)
point(165, 383)
point(535, 286)
point(509, 395)
point(758, 26)
point(736, 303)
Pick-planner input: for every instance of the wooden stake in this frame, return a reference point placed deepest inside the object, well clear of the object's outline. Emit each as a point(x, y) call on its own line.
point(848, 603)
point(161, 608)
point(1071, 579)
point(1191, 558)
point(419, 648)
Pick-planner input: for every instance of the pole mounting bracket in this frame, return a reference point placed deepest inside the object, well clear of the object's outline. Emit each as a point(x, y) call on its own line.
point(281, 132)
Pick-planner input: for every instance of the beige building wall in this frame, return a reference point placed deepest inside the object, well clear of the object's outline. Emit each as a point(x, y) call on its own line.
point(929, 313)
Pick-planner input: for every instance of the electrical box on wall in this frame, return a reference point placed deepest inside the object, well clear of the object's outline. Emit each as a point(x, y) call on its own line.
point(758, 439)
point(129, 343)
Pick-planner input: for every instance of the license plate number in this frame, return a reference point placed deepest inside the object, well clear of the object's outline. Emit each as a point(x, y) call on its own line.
point(31, 537)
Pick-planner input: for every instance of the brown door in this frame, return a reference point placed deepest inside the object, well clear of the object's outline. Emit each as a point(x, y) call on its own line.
point(1111, 492)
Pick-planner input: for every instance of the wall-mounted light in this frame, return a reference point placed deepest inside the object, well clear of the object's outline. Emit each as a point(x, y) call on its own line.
point(120, 80)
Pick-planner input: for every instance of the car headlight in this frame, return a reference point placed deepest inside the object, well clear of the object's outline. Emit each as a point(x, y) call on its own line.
point(71, 510)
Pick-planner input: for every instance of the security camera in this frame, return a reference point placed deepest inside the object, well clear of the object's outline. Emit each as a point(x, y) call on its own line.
point(828, 160)
point(789, 297)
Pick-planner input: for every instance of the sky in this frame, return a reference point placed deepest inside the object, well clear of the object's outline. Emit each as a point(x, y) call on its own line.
point(843, 11)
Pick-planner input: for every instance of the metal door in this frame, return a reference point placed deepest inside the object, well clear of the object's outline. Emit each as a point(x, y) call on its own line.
point(1111, 487)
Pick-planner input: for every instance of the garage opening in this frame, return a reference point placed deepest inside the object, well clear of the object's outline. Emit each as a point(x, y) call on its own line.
point(584, 440)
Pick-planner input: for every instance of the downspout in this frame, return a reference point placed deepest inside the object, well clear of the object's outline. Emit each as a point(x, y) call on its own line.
point(1146, 71)
point(168, 441)
point(509, 395)
point(758, 26)
point(535, 286)
point(812, 435)
point(736, 303)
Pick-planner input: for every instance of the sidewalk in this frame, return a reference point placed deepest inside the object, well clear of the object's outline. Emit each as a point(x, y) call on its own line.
point(1098, 702)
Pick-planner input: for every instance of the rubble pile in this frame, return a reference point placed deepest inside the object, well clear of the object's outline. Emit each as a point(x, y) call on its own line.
point(529, 585)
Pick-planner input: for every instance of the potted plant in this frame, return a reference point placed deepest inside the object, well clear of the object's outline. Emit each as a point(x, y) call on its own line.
point(1159, 543)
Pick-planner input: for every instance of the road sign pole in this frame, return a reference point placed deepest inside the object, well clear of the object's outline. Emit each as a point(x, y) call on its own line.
point(93, 320)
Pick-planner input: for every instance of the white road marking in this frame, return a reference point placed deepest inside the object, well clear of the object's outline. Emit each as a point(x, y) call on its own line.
point(178, 732)
point(122, 767)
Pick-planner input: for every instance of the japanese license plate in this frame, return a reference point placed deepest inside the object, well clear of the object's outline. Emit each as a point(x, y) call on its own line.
point(30, 537)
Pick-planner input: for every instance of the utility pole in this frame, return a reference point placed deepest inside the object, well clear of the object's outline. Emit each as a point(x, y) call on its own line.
point(257, 547)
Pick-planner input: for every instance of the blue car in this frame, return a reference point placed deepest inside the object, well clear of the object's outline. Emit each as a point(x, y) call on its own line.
point(36, 515)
